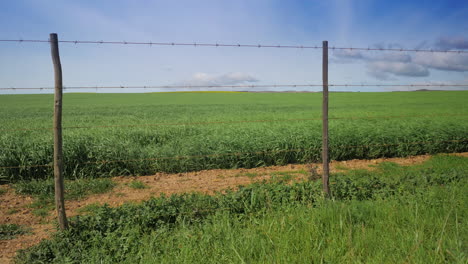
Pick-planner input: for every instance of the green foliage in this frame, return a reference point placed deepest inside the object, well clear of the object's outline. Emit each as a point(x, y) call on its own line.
point(248, 174)
point(89, 209)
point(43, 211)
point(396, 214)
point(74, 189)
point(137, 185)
point(44, 191)
point(85, 148)
point(10, 231)
point(2, 191)
point(411, 229)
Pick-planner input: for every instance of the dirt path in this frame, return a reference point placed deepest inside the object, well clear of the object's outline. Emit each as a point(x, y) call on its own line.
point(14, 208)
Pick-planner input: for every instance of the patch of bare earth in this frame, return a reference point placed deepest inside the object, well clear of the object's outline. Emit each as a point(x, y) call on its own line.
point(14, 209)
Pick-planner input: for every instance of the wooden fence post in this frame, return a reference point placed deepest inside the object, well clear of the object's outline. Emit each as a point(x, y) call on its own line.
point(325, 154)
point(58, 155)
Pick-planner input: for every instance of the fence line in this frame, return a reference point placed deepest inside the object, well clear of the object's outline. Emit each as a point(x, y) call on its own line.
point(234, 86)
point(233, 122)
point(58, 159)
point(242, 153)
point(195, 44)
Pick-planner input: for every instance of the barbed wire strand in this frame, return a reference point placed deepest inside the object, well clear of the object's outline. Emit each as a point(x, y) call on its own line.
point(233, 122)
point(165, 86)
point(234, 86)
point(241, 153)
point(195, 44)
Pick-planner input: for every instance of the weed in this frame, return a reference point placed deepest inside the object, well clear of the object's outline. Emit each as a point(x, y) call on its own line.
point(313, 173)
point(341, 167)
point(250, 174)
point(74, 189)
point(302, 172)
point(41, 212)
point(281, 176)
point(90, 208)
point(388, 166)
point(10, 231)
point(12, 211)
point(138, 185)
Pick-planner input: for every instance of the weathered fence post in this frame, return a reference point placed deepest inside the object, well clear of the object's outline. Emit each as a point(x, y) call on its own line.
point(325, 154)
point(58, 155)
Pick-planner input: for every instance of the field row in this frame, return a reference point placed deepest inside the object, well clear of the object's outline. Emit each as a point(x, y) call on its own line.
point(408, 124)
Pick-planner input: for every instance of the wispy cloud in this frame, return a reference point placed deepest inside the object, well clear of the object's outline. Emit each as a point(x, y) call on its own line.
point(442, 61)
point(233, 78)
point(342, 23)
point(452, 43)
point(384, 66)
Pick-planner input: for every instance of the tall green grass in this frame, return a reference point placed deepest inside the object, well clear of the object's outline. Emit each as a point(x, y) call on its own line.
point(390, 231)
point(394, 215)
point(84, 147)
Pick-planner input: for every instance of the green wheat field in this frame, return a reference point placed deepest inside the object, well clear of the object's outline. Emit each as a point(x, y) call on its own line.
point(173, 132)
point(392, 214)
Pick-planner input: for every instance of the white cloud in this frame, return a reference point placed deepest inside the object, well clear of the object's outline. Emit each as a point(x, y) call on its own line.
point(393, 56)
point(442, 61)
point(380, 75)
point(397, 68)
point(358, 55)
point(383, 65)
point(233, 78)
point(346, 56)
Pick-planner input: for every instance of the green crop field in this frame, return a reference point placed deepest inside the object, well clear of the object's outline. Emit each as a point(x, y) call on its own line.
point(178, 125)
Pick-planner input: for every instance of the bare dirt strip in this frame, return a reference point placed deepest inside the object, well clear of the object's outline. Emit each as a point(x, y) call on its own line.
point(15, 209)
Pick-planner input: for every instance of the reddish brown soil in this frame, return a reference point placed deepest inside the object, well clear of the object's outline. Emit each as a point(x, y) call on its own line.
point(14, 209)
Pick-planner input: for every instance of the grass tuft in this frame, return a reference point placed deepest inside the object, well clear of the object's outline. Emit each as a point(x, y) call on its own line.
point(138, 185)
point(10, 231)
point(74, 189)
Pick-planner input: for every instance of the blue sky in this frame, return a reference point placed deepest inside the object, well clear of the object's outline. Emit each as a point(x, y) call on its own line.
point(433, 24)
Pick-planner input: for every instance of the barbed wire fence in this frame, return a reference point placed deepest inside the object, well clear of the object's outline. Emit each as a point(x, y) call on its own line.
point(195, 44)
point(59, 88)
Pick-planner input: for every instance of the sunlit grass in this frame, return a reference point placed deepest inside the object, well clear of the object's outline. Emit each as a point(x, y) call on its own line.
point(395, 214)
point(145, 147)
